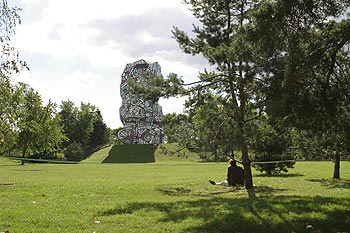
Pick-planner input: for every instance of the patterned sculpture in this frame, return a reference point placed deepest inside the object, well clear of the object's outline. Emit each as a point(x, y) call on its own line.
point(141, 118)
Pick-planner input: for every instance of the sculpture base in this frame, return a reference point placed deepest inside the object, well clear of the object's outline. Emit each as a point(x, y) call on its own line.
point(131, 153)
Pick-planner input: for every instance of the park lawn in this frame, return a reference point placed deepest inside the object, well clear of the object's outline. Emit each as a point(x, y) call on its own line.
point(169, 198)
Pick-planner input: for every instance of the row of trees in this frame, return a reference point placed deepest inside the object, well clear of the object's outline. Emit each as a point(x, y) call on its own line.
point(27, 126)
point(32, 129)
point(204, 132)
point(85, 129)
point(285, 61)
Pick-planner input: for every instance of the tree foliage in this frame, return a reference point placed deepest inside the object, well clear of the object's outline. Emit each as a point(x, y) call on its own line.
point(26, 124)
point(221, 39)
point(100, 133)
point(176, 127)
point(286, 59)
point(215, 130)
point(39, 129)
point(308, 60)
point(9, 60)
point(9, 63)
point(84, 127)
point(271, 144)
point(10, 98)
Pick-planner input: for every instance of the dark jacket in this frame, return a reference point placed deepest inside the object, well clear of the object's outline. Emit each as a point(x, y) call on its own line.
point(235, 175)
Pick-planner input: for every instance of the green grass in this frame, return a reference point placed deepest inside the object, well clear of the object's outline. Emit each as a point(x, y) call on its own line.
point(130, 153)
point(142, 154)
point(169, 197)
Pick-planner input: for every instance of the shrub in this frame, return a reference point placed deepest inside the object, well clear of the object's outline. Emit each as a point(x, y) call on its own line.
point(271, 145)
point(74, 152)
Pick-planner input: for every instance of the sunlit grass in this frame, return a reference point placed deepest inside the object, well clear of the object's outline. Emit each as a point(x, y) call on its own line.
point(169, 198)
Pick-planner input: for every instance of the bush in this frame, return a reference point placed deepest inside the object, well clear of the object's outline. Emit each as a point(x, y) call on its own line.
point(271, 145)
point(74, 152)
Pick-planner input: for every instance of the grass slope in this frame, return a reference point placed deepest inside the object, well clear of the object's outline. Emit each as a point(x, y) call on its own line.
point(130, 153)
point(142, 154)
point(169, 198)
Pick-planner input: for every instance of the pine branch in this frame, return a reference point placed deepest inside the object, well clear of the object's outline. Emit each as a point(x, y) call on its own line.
point(253, 118)
point(206, 80)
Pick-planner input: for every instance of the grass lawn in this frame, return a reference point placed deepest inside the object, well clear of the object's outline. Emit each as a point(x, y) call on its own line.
point(169, 197)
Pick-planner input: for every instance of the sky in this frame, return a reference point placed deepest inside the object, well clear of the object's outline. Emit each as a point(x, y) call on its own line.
point(77, 49)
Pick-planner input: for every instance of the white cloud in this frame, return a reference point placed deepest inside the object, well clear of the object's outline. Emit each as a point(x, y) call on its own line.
point(80, 79)
point(29, 2)
point(78, 49)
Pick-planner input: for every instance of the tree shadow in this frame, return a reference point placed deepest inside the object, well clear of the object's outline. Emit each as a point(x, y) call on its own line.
point(187, 190)
point(282, 175)
point(6, 184)
point(28, 170)
point(10, 165)
point(332, 183)
point(190, 191)
point(227, 214)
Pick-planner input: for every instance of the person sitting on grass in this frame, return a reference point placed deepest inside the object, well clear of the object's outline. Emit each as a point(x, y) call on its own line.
point(235, 175)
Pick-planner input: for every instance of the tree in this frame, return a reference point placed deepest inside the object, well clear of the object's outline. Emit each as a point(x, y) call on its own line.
point(215, 130)
point(10, 96)
point(100, 133)
point(78, 123)
point(51, 134)
point(29, 125)
point(84, 128)
point(179, 129)
point(263, 53)
point(85, 124)
point(69, 118)
point(271, 143)
point(74, 152)
point(222, 40)
point(9, 63)
point(308, 59)
point(172, 126)
point(40, 132)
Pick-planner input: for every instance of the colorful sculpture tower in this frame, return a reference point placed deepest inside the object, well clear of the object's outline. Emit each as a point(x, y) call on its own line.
point(140, 117)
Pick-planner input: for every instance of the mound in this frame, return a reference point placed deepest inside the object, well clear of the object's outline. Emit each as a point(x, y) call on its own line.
point(131, 153)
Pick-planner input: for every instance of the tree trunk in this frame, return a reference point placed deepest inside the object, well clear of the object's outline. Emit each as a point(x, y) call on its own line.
point(336, 174)
point(247, 169)
point(23, 155)
point(246, 161)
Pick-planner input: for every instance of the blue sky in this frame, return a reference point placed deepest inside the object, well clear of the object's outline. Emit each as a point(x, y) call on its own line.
point(77, 49)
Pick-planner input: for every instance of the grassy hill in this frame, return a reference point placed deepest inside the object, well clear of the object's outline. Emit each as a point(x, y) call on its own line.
point(164, 153)
point(130, 153)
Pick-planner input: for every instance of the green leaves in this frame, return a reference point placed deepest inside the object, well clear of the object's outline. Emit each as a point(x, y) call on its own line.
point(9, 60)
point(39, 127)
point(157, 87)
point(84, 128)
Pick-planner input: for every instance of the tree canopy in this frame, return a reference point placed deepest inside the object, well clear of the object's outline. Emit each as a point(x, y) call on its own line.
point(281, 58)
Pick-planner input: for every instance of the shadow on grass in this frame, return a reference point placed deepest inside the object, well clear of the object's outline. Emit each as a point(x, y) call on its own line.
point(332, 183)
point(188, 191)
point(239, 190)
point(229, 214)
point(10, 165)
point(6, 184)
point(284, 175)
